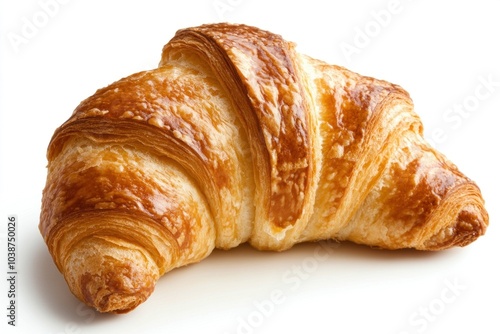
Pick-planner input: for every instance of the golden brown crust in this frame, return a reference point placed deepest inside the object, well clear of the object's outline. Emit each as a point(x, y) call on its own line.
point(259, 71)
point(235, 137)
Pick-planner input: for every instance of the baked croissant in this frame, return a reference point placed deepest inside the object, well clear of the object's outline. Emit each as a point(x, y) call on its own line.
point(237, 138)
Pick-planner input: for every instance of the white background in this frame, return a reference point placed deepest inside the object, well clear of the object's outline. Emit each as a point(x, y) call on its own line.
point(441, 53)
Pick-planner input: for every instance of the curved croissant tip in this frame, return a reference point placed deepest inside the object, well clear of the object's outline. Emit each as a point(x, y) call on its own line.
point(468, 226)
point(118, 291)
point(111, 279)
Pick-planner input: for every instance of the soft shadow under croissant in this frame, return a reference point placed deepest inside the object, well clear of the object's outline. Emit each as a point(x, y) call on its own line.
point(236, 138)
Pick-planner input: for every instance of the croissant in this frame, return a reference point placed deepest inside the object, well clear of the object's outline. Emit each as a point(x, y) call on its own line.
point(237, 138)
